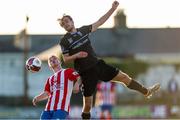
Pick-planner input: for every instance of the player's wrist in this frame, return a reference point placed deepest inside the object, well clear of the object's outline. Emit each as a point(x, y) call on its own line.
point(113, 9)
point(78, 55)
point(36, 99)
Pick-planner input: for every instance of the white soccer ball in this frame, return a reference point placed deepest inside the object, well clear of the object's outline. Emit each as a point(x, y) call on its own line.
point(33, 64)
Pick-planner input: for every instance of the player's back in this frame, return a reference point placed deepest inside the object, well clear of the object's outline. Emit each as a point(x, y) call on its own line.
point(105, 93)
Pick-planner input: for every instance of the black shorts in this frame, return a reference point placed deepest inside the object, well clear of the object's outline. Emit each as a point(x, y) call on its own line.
point(90, 77)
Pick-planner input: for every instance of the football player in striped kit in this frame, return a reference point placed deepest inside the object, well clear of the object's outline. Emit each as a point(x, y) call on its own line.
point(106, 98)
point(58, 90)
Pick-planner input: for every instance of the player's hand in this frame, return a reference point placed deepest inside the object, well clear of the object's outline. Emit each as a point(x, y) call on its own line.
point(34, 101)
point(115, 4)
point(81, 54)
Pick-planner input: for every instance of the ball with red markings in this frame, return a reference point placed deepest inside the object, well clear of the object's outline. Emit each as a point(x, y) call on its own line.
point(33, 64)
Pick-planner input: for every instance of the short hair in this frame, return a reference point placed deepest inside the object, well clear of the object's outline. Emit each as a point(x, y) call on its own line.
point(64, 15)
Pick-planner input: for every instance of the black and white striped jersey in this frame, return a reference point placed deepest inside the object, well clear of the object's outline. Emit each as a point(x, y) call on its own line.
point(72, 43)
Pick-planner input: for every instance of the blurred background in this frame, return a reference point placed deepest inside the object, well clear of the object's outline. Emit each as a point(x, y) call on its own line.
point(142, 38)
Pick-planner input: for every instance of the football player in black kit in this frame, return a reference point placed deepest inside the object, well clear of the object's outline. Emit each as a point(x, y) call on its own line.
point(76, 47)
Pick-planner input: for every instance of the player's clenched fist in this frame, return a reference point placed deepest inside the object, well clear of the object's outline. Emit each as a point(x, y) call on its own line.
point(34, 101)
point(81, 54)
point(115, 4)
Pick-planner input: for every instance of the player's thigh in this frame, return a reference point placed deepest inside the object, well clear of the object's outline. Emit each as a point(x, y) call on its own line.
point(89, 87)
point(89, 80)
point(106, 72)
point(122, 77)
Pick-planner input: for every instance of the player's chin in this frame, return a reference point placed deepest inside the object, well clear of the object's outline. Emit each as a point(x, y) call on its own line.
point(54, 66)
point(69, 28)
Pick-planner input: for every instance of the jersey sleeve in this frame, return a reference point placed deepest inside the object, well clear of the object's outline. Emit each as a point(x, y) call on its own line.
point(64, 46)
point(73, 75)
point(86, 29)
point(47, 86)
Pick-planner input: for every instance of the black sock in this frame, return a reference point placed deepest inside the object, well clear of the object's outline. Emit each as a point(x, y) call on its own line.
point(86, 115)
point(137, 86)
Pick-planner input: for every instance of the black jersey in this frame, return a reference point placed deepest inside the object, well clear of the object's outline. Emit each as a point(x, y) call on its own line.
point(72, 43)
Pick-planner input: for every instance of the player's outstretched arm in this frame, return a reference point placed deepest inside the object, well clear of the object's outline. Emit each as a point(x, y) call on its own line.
point(40, 97)
point(104, 18)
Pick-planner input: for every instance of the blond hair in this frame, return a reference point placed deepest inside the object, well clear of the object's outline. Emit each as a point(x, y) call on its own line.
point(51, 57)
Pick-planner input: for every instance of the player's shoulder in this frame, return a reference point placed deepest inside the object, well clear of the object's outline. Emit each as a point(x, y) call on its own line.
point(64, 37)
point(69, 70)
point(85, 29)
point(50, 77)
point(85, 26)
point(55, 74)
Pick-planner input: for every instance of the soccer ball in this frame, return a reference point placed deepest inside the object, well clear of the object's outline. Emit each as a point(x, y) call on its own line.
point(33, 64)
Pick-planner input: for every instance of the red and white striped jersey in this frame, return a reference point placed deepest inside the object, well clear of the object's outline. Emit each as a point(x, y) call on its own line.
point(60, 86)
point(105, 93)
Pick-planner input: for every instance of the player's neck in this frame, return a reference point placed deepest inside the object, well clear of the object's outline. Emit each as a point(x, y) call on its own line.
point(58, 68)
point(73, 30)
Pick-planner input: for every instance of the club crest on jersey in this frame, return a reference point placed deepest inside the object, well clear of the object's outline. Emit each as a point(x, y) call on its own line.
point(62, 48)
point(70, 40)
point(79, 33)
point(55, 87)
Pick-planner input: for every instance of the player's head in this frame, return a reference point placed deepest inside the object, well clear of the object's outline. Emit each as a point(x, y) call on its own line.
point(66, 22)
point(54, 62)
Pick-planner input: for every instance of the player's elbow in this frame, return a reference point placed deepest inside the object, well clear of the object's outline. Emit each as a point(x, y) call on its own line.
point(75, 91)
point(76, 88)
point(95, 26)
point(65, 60)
